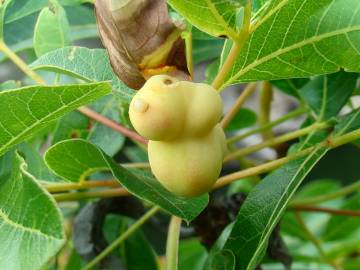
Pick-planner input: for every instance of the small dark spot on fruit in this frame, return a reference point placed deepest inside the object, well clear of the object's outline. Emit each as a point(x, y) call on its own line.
point(168, 81)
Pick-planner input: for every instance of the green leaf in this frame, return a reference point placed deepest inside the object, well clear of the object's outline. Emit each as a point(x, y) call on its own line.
point(76, 125)
point(298, 38)
point(106, 138)
point(223, 260)
point(83, 158)
point(135, 260)
point(211, 71)
point(3, 6)
point(25, 111)
point(31, 224)
point(263, 208)
point(267, 202)
point(192, 254)
point(215, 17)
point(243, 119)
point(9, 85)
point(290, 86)
point(72, 125)
point(316, 222)
point(218, 246)
point(344, 226)
point(35, 163)
point(87, 64)
point(257, 4)
point(19, 34)
point(22, 8)
point(326, 95)
point(348, 122)
point(52, 30)
point(204, 50)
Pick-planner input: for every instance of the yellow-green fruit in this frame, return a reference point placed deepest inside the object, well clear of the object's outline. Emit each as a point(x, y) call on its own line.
point(188, 167)
point(186, 146)
point(158, 110)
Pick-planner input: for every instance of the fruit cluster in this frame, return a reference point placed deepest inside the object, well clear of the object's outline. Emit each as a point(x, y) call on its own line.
point(186, 143)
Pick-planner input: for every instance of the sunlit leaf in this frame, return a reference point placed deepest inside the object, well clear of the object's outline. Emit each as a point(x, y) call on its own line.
point(25, 111)
point(83, 158)
point(31, 224)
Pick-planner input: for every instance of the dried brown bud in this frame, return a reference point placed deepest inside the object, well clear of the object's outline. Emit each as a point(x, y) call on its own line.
point(139, 36)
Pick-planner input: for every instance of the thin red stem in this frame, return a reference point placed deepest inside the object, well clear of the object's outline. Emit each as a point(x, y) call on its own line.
point(310, 208)
point(112, 124)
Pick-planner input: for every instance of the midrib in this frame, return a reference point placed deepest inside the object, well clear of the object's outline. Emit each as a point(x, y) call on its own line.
point(281, 51)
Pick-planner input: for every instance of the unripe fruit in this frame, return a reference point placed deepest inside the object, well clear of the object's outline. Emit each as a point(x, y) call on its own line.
point(186, 146)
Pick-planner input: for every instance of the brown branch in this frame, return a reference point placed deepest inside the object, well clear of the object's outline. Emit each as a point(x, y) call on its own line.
point(309, 208)
point(112, 124)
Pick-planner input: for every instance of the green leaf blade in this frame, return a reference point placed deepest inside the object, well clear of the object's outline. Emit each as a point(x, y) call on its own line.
point(318, 37)
point(31, 224)
point(25, 111)
point(263, 208)
point(326, 95)
point(52, 30)
point(217, 18)
point(340, 227)
point(88, 64)
point(75, 159)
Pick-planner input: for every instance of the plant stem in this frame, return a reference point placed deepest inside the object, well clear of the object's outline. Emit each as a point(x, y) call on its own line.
point(75, 196)
point(122, 238)
point(277, 140)
point(280, 120)
point(228, 179)
point(265, 99)
point(249, 89)
point(172, 244)
point(112, 124)
point(220, 77)
point(266, 167)
point(312, 238)
point(340, 212)
point(238, 44)
point(327, 197)
point(61, 187)
point(340, 140)
point(20, 63)
point(84, 110)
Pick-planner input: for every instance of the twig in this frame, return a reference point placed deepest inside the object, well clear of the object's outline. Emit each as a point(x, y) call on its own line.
point(122, 238)
point(249, 89)
point(265, 100)
point(75, 196)
point(20, 63)
point(238, 44)
point(327, 197)
point(277, 140)
point(228, 179)
point(61, 187)
point(278, 121)
point(340, 212)
point(112, 124)
point(84, 110)
point(312, 238)
point(266, 167)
